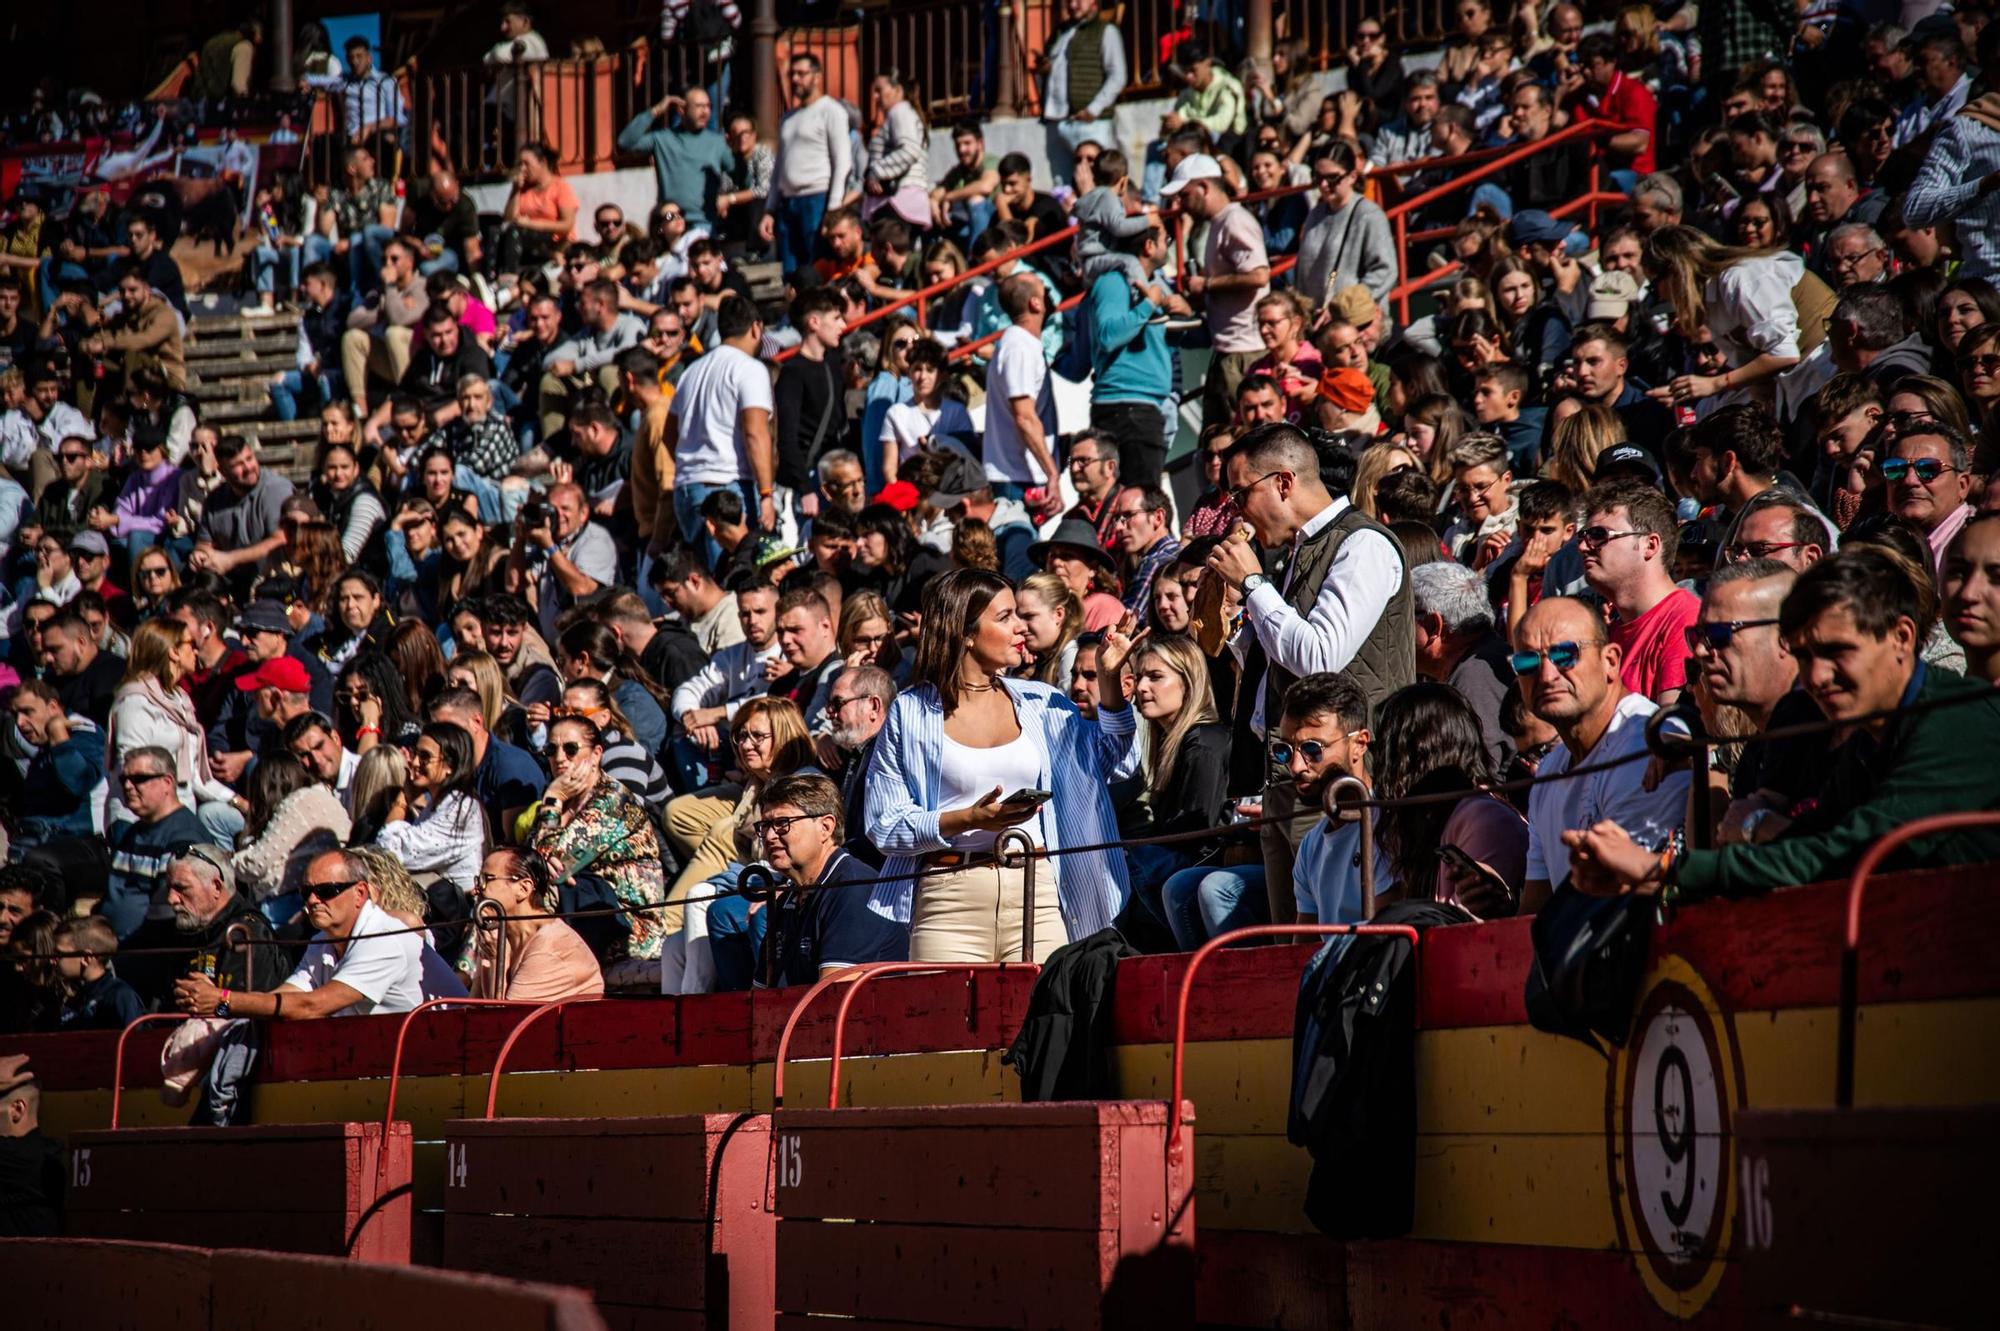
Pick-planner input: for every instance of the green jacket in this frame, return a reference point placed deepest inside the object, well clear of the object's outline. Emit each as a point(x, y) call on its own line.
point(1940, 761)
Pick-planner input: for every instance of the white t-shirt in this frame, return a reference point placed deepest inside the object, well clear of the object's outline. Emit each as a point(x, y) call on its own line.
point(1555, 807)
point(709, 404)
point(386, 972)
point(1017, 370)
point(1326, 873)
point(906, 424)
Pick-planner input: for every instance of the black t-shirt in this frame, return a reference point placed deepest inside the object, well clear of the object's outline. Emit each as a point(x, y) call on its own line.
point(1046, 214)
point(434, 379)
point(830, 925)
point(673, 657)
point(89, 691)
point(809, 404)
point(595, 474)
point(1796, 768)
point(454, 225)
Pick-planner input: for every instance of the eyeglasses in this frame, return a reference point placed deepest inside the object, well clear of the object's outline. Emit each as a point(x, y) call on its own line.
point(1786, 149)
point(670, 215)
point(136, 779)
point(1717, 636)
point(1313, 749)
point(764, 827)
point(577, 265)
point(1467, 493)
point(1328, 181)
point(1562, 655)
point(486, 878)
point(1926, 469)
point(1077, 460)
point(1239, 495)
point(156, 571)
point(1119, 517)
point(902, 344)
point(1596, 538)
point(330, 889)
point(1744, 551)
point(1983, 364)
point(839, 705)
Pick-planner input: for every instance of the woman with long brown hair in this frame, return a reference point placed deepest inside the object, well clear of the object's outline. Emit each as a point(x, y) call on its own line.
point(968, 753)
point(1763, 308)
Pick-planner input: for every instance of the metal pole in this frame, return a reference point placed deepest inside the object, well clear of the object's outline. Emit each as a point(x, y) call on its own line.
point(764, 68)
point(1257, 30)
point(1015, 836)
point(280, 25)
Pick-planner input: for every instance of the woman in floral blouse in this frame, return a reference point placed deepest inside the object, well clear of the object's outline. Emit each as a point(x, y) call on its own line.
point(589, 823)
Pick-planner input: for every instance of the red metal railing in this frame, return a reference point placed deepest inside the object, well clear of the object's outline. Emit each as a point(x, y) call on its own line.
point(855, 975)
point(403, 1032)
point(513, 1037)
point(118, 1056)
point(1850, 951)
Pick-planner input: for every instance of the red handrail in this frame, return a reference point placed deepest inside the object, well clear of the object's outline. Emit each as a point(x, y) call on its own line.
point(1850, 952)
point(923, 295)
point(403, 1031)
point(520, 1027)
point(855, 976)
point(118, 1055)
point(1174, 1144)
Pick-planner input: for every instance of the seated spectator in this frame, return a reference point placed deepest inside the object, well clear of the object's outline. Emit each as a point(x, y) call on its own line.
point(546, 959)
point(1189, 748)
point(1458, 645)
point(85, 677)
point(361, 960)
point(201, 892)
point(64, 782)
point(1499, 397)
point(160, 828)
point(1970, 587)
point(1848, 621)
point(590, 651)
point(1629, 540)
point(1571, 670)
point(587, 823)
point(823, 925)
point(1482, 495)
point(1927, 474)
point(94, 999)
point(293, 817)
point(505, 777)
point(436, 827)
point(1471, 852)
point(624, 760)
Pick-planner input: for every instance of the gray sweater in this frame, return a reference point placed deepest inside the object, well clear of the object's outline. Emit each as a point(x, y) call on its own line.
point(592, 350)
point(1101, 222)
point(814, 153)
point(1366, 252)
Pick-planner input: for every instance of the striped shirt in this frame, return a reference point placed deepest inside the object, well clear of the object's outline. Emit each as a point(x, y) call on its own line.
point(1078, 757)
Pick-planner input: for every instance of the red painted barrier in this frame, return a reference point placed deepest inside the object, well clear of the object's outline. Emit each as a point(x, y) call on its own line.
point(334, 1189)
point(1021, 1215)
point(664, 1219)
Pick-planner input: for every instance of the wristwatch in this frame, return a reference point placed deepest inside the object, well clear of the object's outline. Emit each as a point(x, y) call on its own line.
point(222, 1006)
point(1253, 582)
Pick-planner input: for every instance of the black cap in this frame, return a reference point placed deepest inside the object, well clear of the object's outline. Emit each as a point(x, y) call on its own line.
point(1628, 459)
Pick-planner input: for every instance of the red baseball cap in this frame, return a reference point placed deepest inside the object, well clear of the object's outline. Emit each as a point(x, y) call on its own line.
point(282, 673)
point(899, 495)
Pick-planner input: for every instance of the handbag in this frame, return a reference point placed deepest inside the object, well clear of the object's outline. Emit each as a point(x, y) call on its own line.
point(1590, 955)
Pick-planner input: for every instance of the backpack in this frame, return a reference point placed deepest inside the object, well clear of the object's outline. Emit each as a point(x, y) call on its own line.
point(1590, 955)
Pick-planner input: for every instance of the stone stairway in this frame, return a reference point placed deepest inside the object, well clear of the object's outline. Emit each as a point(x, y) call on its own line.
point(231, 359)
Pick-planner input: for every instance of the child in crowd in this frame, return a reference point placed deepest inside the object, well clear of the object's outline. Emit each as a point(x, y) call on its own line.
point(94, 999)
point(1103, 223)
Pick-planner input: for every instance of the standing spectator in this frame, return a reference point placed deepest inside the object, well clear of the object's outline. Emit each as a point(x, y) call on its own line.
point(692, 164)
point(809, 403)
point(1020, 417)
point(371, 103)
point(1959, 182)
point(1235, 274)
point(1755, 306)
point(809, 179)
point(961, 737)
point(1344, 604)
point(897, 177)
point(720, 427)
point(1945, 84)
point(1085, 74)
point(1629, 539)
point(1457, 644)
point(1132, 378)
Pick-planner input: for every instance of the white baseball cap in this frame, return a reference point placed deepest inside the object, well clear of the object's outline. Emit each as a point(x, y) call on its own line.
point(1195, 166)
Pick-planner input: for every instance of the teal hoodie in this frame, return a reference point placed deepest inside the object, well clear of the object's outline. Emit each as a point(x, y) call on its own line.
point(1129, 357)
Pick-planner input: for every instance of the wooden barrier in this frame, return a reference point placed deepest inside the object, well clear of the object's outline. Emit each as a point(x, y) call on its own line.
point(989, 1216)
point(664, 1219)
point(323, 1188)
point(113, 1286)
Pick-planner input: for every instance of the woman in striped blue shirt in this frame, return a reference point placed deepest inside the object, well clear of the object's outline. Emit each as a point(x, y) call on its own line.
point(958, 747)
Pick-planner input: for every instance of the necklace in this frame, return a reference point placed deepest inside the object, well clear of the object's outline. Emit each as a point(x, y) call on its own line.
point(988, 687)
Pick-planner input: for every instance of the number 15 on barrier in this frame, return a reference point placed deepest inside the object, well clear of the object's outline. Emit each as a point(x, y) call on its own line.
point(791, 1161)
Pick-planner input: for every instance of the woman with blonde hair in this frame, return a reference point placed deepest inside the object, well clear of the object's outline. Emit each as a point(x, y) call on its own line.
point(479, 672)
point(1377, 462)
point(1578, 439)
point(1763, 308)
point(1053, 616)
point(151, 709)
point(868, 634)
point(1189, 779)
point(378, 782)
point(710, 830)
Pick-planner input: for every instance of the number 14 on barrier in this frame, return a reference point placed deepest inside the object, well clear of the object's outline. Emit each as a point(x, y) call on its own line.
point(454, 1164)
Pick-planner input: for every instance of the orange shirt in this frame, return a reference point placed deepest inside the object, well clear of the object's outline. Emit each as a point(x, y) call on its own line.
point(547, 204)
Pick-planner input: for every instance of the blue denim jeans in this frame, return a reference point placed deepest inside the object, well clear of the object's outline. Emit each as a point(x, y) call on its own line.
point(285, 394)
point(364, 257)
point(797, 226)
point(688, 498)
point(735, 936)
point(266, 261)
point(1149, 868)
point(446, 262)
point(1203, 902)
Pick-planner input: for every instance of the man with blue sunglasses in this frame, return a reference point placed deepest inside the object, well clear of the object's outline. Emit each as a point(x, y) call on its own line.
point(1928, 478)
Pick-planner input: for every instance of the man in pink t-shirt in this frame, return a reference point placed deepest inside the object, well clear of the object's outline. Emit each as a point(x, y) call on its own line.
point(1235, 274)
point(1629, 542)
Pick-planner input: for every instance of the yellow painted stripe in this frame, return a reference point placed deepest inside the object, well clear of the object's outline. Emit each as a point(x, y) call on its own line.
point(964, 1077)
point(1940, 1054)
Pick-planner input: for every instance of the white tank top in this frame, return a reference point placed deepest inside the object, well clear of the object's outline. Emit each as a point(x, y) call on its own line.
point(968, 774)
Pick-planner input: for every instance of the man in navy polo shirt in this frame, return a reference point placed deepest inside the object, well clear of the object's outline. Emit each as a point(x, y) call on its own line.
point(818, 924)
point(507, 779)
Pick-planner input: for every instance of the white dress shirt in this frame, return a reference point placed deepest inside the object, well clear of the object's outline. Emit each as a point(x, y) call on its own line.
point(1365, 575)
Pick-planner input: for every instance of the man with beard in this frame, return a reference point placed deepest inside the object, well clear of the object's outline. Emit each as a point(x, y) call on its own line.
point(856, 703)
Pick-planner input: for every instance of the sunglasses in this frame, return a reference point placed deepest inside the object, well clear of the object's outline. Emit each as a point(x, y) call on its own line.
point(1983, 364)
point(328, 890)
point(577, 265)
point(1596, 538)
point(1239, 495)
point(568, 748)
point(1926, 469)
point(1562, 655)
point(75, 457)
point(1744, 551)
point(1313, 749)
point(141, 778)
point(1717, 636)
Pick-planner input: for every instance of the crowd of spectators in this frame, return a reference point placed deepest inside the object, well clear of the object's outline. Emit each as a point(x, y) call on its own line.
point(611, 584)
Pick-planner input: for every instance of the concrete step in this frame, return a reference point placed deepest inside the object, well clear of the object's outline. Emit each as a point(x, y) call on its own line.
point(241, 388)
point(224, 371)
point(236, 325)
point(271, 432)
point(277, 343)
point(231, 410)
